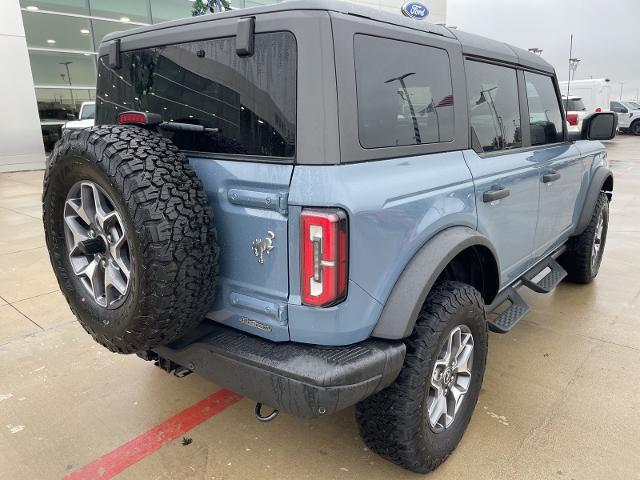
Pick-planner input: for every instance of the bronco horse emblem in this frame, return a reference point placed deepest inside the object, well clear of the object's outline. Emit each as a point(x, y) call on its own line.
point(263, 246)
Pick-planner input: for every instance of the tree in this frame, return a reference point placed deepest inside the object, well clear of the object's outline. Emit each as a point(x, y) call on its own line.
point(201, 7)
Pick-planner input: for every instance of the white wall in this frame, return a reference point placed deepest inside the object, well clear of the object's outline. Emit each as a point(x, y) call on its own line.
point(21, 145)
point(437, 8)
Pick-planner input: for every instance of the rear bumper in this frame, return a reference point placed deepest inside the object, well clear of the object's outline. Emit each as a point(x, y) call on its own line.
point(303, 380)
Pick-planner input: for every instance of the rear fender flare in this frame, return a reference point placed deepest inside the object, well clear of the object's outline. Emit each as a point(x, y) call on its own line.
point(403, 305)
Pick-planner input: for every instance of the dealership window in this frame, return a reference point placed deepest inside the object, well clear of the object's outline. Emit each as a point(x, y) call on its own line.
point(78, 7)
point(545, 118)
point(250, 100)
point(164, 10)
point(61, 68)
point(60, 103)
point(57, 31)
point(405, 100)
point(494, 111)
point(123, 10)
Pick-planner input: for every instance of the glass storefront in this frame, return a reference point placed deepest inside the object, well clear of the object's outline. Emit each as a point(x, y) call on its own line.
point(63, 37)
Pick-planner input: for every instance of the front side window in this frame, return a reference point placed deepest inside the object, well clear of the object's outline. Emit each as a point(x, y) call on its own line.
point(494, 111)
point(618, 107)
point(545, 118)
point(250, 100)
point(404, 93)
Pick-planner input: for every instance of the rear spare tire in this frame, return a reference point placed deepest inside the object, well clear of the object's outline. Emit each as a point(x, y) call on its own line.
point(129, 234)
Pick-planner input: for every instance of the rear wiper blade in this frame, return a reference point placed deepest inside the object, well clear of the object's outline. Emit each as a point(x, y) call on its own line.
point(186, 127)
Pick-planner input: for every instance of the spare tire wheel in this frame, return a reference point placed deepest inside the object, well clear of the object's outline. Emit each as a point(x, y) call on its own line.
point(130, 236)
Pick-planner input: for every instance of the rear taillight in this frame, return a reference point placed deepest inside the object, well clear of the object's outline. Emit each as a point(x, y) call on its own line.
point(598, 109)
point(572, 118)
point(139, 118)
point(323, 256)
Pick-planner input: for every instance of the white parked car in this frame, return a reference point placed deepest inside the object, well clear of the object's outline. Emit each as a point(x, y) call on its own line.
point(595, 93)
point(85, 118)
point(576, 111)
point(628, 116)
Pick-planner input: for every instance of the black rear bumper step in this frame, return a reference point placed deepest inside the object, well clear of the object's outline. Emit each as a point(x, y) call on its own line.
point(303, 380)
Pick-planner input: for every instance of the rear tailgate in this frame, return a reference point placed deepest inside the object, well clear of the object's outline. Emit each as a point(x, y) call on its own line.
point(249, 202)
point(244, 158)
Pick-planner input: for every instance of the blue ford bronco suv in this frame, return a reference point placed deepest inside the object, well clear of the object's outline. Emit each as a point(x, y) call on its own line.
point(318, 205)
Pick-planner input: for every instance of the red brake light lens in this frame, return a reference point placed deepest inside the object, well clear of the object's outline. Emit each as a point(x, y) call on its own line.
point(323, 256)
point(137, 118)
point(598, 109)
point(572, 118)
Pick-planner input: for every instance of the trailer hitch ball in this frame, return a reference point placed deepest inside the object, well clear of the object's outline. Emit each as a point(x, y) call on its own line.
point(265, 418)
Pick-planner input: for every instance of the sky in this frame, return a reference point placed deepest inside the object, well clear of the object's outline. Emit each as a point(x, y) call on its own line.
point(606, 34)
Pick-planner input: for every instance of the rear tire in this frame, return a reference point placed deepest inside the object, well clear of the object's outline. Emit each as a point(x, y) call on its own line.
point(397, 423)
point(161, 214)
point(584, 252)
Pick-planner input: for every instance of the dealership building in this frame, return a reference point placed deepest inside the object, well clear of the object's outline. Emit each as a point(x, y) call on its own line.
point(48, 50)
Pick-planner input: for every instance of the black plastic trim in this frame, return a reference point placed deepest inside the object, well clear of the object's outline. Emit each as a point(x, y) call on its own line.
point(304, 380)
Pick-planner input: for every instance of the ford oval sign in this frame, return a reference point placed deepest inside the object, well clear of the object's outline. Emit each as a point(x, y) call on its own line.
point(415, 10)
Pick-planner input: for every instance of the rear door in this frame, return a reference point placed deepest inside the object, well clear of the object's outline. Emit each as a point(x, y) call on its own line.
point(505, 177)
point(563, 171)
point(245, 166)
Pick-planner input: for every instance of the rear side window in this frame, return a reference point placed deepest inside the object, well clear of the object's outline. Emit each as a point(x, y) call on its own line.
point(545, 118)
point(404, 93)
point(494, 111)
point(251, 100)
point(574, 105)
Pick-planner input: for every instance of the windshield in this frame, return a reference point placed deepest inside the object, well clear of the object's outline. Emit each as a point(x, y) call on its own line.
point(88, 111)
point(573, 105)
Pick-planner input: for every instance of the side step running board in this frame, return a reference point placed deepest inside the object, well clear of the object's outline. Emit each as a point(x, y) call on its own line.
point(545, 277)
point(542, 278)
point(505, 321)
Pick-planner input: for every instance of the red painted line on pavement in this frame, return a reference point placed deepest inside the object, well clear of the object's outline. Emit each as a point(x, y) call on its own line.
point(114, 462)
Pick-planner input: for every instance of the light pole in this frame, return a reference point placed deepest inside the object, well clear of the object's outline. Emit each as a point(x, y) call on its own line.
point(621, 86)
point(536, 50)
point(66, 66)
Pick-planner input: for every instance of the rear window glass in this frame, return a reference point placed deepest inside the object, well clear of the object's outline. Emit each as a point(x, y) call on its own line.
point(250, 100)
point(404, 93)
point(574, 105)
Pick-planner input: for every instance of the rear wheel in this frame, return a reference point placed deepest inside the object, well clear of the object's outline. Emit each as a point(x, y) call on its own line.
point(419, 420)
point(129, 234)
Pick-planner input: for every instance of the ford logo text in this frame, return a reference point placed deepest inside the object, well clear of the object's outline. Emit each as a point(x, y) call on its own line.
point(415, 10)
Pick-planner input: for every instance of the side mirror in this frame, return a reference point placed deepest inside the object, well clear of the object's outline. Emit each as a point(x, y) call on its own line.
point(597, 126)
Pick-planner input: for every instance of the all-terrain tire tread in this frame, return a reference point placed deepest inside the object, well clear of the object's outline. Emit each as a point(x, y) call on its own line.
point(387, 420)
point(173, 221)
point(577, 258)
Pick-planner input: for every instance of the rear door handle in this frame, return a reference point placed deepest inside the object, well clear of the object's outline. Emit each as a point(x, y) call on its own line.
point(550, 177)
point(496, 193)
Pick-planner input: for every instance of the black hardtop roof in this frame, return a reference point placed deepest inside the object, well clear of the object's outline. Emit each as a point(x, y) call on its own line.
point(475, 45)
